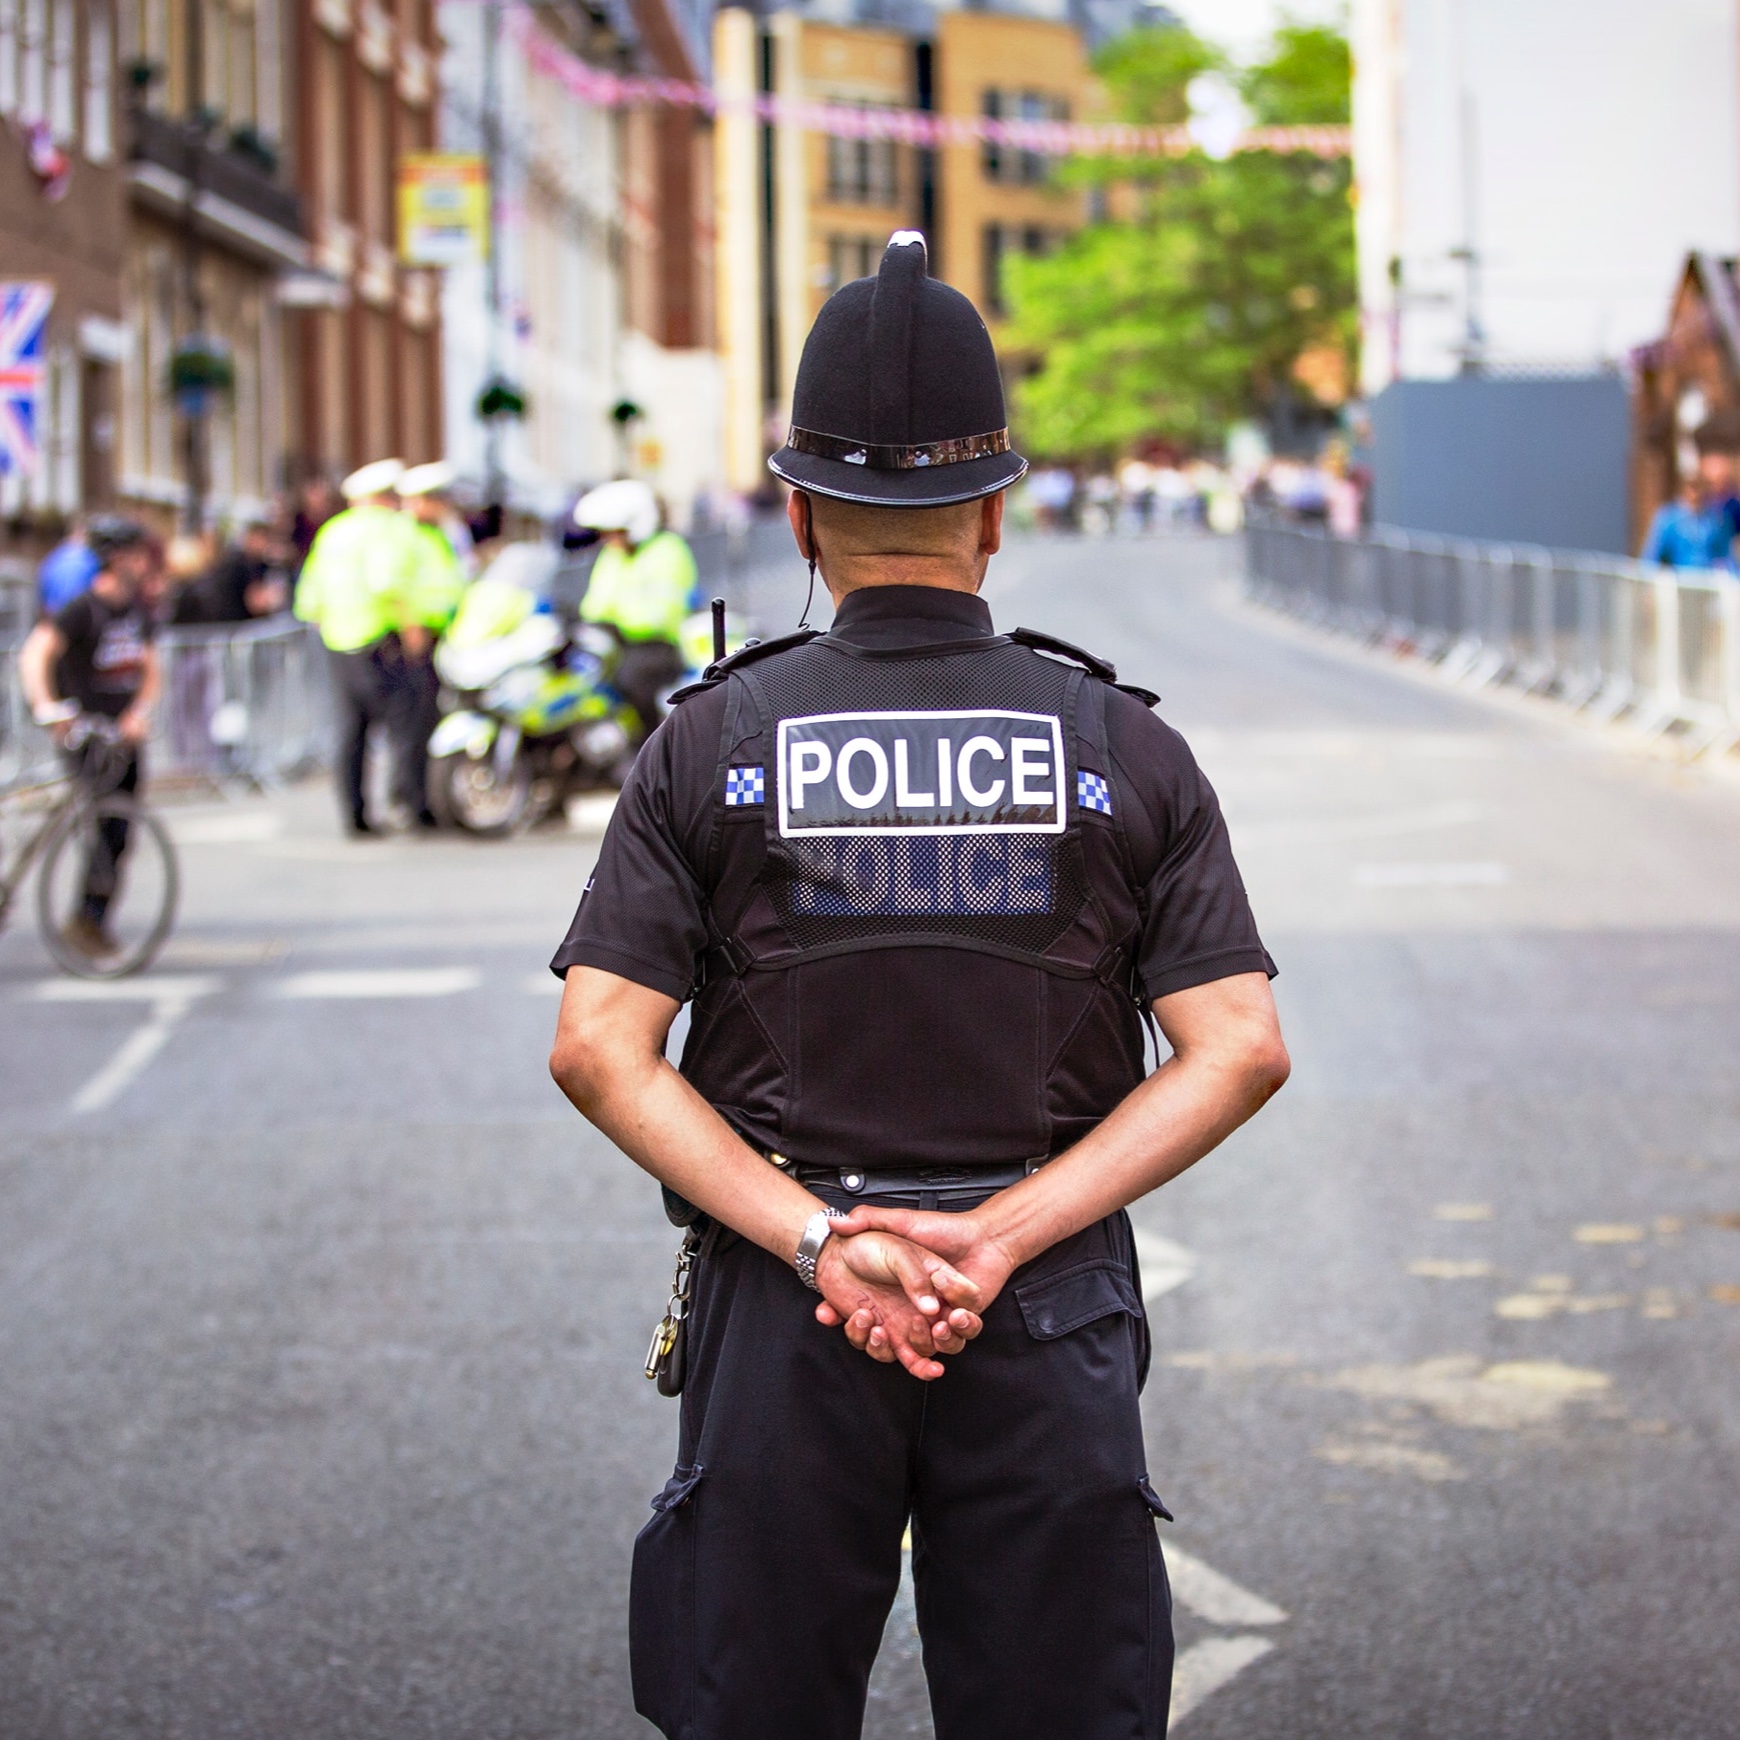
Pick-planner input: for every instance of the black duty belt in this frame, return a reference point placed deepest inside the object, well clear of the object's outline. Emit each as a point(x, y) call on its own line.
point(944, 1181)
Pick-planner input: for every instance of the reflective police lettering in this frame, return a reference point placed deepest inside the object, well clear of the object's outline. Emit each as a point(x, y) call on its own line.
point(915, 877)
point(968, 772)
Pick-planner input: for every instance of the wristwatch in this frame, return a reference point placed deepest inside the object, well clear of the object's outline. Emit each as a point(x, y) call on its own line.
point(816, 1233)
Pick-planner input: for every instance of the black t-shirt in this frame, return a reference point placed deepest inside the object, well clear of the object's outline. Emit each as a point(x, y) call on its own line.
point(103, 666)
point(643, 914)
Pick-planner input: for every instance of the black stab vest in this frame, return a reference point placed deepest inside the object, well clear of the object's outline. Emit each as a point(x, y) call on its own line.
point(923, 914)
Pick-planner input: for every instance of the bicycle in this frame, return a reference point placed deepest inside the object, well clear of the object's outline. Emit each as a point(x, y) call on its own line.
point(108, 880)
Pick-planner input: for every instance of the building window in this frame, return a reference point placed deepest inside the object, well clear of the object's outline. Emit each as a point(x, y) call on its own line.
point(33, 60)
point(862, 171)
point(99, 83)
point(850, 257)
point(8, 56)
point(1006, 164)
point(374, 163)
point(63, 114)
point(1000, 241)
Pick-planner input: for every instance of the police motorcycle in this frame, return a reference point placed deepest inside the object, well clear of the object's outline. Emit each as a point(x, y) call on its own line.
point(529, 715)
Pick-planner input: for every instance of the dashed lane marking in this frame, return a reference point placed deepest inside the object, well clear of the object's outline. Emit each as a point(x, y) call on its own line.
point(170, 995)
point(386, 982)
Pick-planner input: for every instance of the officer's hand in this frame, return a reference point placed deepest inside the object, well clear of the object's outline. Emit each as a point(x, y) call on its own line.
point(891, 1295)
point(961, 1240)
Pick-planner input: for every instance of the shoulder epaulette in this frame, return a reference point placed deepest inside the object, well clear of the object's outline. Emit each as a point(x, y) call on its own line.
point(720, 669)
point(1092, 663)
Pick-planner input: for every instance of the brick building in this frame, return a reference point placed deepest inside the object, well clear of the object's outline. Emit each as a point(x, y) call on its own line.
point(62, 206)
point(364, 333)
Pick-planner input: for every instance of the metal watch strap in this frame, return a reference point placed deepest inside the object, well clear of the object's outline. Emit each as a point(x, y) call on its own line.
point(815, 1235)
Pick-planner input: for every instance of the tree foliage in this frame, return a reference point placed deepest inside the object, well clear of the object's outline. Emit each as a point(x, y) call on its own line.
point(1191, 307)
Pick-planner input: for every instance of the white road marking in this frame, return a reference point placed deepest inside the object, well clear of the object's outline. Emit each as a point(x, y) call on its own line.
point(385, 982)
point(1164, 1264)
point(1463, 1211)
point(1212, 1596)
point(1423, 820)
point(1207, 1666)
point(149, 988)
point(1484, 874)
point(542, 985)
point(234, 828)
point(170, 995)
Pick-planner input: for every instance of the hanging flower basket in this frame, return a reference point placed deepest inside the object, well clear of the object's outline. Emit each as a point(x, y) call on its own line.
point(199, 369)
point(500, 399)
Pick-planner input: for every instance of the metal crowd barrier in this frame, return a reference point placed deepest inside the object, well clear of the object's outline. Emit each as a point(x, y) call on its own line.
point(247, 703)
point(1613, 637)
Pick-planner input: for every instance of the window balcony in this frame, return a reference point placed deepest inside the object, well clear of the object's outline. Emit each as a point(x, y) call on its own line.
point(239, 204)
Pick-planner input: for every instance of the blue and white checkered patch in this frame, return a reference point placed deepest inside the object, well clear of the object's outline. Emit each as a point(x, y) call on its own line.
point(1092, 792)
point(745, 786)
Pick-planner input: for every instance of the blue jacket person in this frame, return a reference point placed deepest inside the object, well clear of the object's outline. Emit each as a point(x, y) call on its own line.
point(922, 882)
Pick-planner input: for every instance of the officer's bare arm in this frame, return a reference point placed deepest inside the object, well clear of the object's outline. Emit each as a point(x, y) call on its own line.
point(1227, 1060)
point(609, 1060)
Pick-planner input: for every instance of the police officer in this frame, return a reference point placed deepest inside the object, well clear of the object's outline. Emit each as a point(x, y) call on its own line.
point(642, 586)
point(438, 584)
point(358, 588)
point(921, 880)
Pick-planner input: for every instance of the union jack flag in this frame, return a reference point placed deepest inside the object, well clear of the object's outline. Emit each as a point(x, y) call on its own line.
point(23, 319)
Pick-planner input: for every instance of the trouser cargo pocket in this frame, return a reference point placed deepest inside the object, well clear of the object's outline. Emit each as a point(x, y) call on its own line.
point(661, 1606)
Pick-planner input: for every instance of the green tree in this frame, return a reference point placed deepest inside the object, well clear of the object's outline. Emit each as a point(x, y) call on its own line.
point(1193, 312)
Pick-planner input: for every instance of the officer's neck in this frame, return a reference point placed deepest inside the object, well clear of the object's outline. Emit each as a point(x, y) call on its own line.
point(847, 574)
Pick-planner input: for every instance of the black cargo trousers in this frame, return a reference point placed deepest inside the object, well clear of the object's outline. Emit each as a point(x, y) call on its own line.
point(763, 1581)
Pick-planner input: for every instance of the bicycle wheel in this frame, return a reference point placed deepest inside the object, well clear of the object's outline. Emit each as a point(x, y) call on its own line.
point(106, 889)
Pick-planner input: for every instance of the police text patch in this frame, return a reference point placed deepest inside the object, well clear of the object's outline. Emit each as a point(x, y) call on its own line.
point(969, 772)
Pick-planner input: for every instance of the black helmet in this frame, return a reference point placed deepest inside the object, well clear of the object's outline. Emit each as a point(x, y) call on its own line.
point(899, 401)
point(109, 534)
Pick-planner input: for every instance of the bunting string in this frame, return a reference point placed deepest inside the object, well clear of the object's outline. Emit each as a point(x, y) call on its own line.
point(920, 127)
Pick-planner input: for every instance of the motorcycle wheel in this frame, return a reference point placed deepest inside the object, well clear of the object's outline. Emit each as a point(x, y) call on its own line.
point(471, 794)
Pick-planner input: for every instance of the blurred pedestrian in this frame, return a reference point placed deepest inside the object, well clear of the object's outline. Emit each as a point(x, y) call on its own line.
point(439, 583)
point(1697, 529)
point(316, 503)
point(95, 656)
point(241, 584)
point(643, 586)
point(66, 571)
point(357, 588)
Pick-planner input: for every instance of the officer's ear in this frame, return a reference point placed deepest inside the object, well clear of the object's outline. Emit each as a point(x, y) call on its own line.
point(991, 524)
point(797, 511)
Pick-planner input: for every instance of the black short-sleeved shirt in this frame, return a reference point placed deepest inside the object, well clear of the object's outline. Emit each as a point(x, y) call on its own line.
point(642, 916)
point(103, 666)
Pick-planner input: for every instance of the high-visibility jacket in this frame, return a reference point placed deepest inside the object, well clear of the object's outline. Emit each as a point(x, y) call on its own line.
point(440, 581)
point(361, 576)
point(645, 593)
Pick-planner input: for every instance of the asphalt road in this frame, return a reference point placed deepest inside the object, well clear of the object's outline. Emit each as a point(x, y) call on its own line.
point(321, 1324)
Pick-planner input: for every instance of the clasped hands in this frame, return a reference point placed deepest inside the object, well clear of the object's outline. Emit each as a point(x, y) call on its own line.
point(909, 1284)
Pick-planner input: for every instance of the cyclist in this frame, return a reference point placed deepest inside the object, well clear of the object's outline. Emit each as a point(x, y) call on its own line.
point(95, 656)
point(643, 586)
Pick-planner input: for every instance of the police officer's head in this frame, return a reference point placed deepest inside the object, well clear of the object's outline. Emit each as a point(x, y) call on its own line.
point(899, 446)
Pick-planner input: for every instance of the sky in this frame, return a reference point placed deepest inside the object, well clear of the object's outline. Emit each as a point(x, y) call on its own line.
point(1244, 25)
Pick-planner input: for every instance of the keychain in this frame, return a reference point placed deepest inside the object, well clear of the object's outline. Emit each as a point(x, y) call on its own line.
point(666, 1356)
